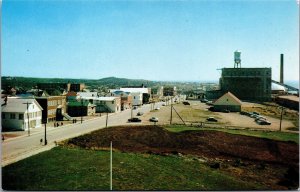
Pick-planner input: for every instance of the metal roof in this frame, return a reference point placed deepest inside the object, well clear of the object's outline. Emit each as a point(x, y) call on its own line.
point(15, 104)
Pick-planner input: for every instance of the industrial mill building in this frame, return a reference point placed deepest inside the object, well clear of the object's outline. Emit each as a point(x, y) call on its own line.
point(252, 84)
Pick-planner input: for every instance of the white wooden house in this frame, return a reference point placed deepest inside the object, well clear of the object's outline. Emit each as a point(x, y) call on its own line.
point(15, 114)
point(104, 104)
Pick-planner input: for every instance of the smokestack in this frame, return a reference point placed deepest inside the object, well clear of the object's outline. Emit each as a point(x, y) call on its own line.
point(281, 68)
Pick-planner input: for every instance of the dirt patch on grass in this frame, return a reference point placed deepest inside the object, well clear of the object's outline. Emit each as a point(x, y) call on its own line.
point(246, 154)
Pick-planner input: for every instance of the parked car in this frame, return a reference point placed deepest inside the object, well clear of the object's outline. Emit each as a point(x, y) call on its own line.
point(135, 107)
point(244, 113)
point(134, 119)
point(254, 116)
point(139, 113)
point(153, 119)
point(204, 100)
point(186, 103)
point(212, 119)
point(157, 108)
point(263, 122)
point(226, 111)
point(260, 118)
point(254, 112)
point(163, 104)
point(209, 103)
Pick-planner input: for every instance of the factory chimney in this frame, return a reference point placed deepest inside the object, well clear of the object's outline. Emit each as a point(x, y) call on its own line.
point(281, 68)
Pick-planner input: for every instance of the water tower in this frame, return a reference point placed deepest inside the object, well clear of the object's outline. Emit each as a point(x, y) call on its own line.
point(237, 59)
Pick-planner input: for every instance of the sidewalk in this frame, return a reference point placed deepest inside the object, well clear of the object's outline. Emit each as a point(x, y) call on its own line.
point(8, 135)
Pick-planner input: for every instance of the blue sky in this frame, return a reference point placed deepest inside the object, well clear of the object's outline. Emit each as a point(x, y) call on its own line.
point(154, 40)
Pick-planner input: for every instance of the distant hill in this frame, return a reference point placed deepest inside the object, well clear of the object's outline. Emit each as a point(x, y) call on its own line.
point(25, 83)
point(110, 82)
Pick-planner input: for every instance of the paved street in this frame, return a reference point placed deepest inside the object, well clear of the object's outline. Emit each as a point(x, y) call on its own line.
point(22, 147)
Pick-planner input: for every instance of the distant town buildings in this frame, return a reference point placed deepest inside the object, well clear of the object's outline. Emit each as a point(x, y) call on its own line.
point(54, 107)
point(84, 108)
point(141, 95)
point(169, 91)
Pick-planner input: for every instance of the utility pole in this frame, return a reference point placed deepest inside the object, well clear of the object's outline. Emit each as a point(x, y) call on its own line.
point(45, 140)
point(171, 112)
point(281, 118)
point(111, 165)
point(28, 117)
point(81, 110)
point(106, 119)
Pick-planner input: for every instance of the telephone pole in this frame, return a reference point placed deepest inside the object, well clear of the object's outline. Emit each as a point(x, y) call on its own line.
point(45, 140)
point(171, 112)
point(28, 117)
point(81, 110)
point(106, 119)
point(111, 165)
point(281, 118)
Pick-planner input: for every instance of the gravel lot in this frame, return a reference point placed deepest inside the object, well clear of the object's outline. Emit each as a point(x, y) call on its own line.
point(198, 112)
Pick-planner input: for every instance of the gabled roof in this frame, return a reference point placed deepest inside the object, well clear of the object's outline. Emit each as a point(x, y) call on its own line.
point(228, 99)
point(15, 104)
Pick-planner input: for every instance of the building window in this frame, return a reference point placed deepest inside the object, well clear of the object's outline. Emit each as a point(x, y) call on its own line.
point(3, 115)
point(21, 116)
point(112, 102)
point(12, 116)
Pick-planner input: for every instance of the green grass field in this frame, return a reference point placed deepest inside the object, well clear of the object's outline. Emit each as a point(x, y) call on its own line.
point(276, 135)
point(66, 168)
point(79, 169)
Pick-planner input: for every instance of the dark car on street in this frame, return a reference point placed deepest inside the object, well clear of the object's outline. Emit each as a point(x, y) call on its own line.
point(212, 119)
point(153, 119)
point(139, 113)
point(134, 119)
point(263, 122)
point(204, 100)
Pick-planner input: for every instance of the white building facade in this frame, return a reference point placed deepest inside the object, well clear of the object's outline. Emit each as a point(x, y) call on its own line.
point(15, 115)
point(137, 94)
point(103, 104)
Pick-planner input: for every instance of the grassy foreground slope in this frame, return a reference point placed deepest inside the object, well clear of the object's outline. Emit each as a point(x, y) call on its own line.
point(152, 158)
point(275, 135)
point(79, 169)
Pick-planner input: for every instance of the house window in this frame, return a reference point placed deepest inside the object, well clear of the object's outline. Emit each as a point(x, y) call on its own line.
point(12, 116)
point(21, 116)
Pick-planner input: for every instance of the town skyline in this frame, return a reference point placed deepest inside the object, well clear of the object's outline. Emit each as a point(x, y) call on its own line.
point(159, 40)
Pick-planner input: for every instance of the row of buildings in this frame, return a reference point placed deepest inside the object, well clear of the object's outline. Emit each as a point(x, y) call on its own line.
point(36, 107)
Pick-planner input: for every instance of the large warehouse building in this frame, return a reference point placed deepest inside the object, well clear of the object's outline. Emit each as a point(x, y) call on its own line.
point(247, 83)
point(253, 84)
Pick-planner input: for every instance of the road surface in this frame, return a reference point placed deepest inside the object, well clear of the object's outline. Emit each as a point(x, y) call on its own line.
point(24, 146)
